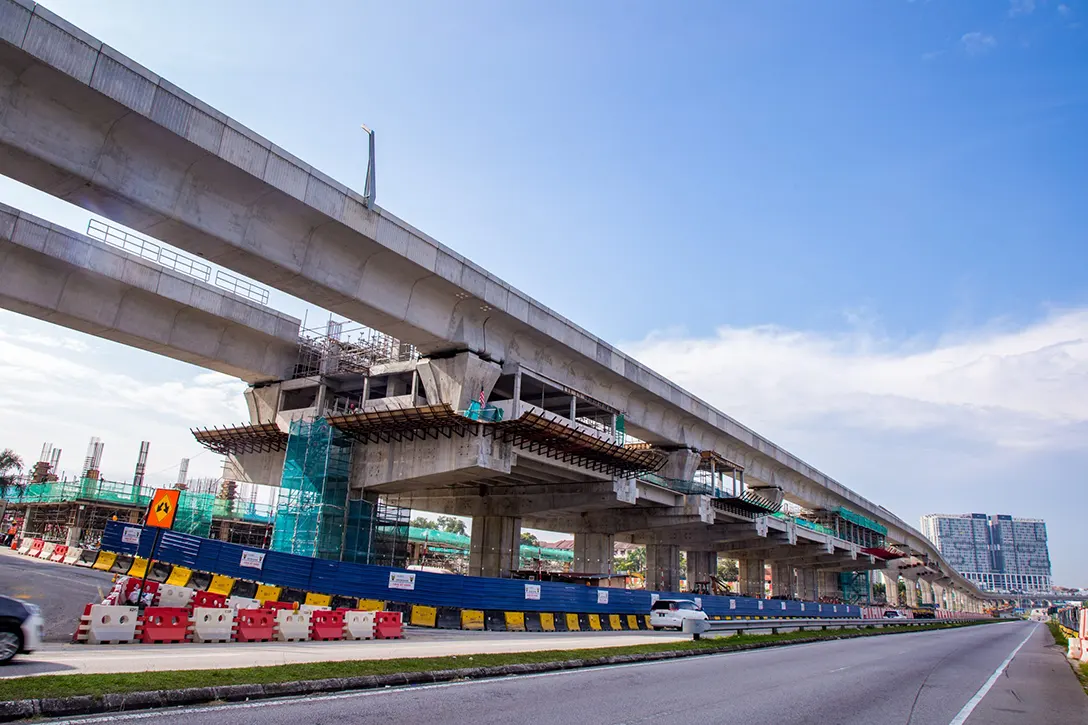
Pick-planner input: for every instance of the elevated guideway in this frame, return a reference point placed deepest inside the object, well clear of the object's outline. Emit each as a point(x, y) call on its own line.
point(84, 284)
point(84, 123)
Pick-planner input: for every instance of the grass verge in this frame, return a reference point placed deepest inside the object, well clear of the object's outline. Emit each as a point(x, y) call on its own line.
point(1056, 632)
point(98, 685)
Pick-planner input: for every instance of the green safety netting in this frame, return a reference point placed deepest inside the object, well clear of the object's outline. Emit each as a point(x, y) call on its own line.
point(445, 542)
point(805, 523)
point(862, 521)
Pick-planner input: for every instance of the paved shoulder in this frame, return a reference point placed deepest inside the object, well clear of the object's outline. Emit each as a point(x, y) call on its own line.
point(1038, 686)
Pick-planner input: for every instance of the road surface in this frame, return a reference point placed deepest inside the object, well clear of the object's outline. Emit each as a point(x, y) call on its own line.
point(59, 589)
point(918, 679)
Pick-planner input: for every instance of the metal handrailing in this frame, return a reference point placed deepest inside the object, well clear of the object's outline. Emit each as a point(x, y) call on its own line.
point(697, 627)
point(145, 249)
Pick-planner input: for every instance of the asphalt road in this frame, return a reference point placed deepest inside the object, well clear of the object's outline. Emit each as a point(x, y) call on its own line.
point(918, 679)
point(60, 590)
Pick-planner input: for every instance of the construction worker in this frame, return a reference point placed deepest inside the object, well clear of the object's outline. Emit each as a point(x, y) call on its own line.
point(13, 531)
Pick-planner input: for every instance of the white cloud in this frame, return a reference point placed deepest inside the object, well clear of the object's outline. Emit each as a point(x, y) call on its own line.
point(1016, 388)
point(978, 42)
point(1064, 10)
point(1021, 7)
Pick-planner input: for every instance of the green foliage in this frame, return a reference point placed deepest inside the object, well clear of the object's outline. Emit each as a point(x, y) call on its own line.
point(10, 466)
point(1056, 632)
point(452, 524)
point(528, 539)
point(422, 522)
point(728, 570)
point(633, 561)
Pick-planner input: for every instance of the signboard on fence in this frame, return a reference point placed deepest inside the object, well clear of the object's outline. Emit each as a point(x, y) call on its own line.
point(401, 580)
point(532, 591)
point(131, 535)
point(602, 596)
point(252, 559)
point(163, 509)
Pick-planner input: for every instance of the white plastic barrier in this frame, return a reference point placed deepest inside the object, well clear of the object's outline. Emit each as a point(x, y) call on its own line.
point(236, 603)
point(24, 545)
point(47, 550)
point(292, 626)
point(307, 608)
point(105, 623)
point(358, 624)
point(172, 596)
point(212, 624)
point(73, 555)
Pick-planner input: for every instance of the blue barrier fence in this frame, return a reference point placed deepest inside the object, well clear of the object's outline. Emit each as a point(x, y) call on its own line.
point(436, 590)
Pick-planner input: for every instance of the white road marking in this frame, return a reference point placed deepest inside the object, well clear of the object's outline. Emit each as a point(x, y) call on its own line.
point(965, 713)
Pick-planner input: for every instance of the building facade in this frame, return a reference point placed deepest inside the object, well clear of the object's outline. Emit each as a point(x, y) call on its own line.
point(998, 553)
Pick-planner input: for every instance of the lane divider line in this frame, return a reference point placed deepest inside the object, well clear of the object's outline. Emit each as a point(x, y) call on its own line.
point(963, 714)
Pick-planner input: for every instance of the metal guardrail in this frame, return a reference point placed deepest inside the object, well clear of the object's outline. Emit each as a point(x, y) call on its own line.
point(697, 627)
point(170, 259)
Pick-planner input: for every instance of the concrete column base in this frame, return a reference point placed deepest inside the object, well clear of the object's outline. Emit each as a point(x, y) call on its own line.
point(753, 577)
point(593, 553)
point(891, 588)
point(702, 565)
point(806, 584)
point(828, 582)
point(782, 580)
point(912, 593)
point(662, 567)
point(495, 547)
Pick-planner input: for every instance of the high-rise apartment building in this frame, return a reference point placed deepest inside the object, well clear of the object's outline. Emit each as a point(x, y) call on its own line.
point(998, 553)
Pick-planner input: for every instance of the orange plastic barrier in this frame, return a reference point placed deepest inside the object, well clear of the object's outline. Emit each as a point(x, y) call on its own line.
point(255, 625)
point(388, 625)
point(326, 625)
point(36, 547)
point(59, 552)
point(209, 599)
point(165, 624)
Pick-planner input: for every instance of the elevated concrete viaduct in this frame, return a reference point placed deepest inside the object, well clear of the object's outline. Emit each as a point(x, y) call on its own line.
point(80, 283)
point(84, 123)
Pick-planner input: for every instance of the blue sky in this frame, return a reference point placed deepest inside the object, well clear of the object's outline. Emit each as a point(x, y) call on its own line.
point(754, 198)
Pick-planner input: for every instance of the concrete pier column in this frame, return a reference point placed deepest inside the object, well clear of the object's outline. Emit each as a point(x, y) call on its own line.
point(806, 584)
point(457, 380)
point(495, 547)
point(912, 592)
point(925, 592)
point(891, 588)
point(593, 553)
point(662, 567)
point(782, 580)
point(753, 577)
point(829, 584)
point(701, 566)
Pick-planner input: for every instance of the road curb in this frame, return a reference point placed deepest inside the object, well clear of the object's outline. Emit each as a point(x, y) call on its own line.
point(12, 710)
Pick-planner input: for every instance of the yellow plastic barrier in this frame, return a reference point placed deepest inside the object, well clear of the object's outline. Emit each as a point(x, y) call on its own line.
point(267, 593)
point(515, 621)
point(371, 605)
point(572, 623)
point(138, 568)
point(318, 600)
point(547, 621)
point(472, 619)
point(614, 622)
point(179, 576)
point(105, 561)
point(647, 616)
point(595, 622)
point(221, 585)
point(632, 621)
point(424, 616)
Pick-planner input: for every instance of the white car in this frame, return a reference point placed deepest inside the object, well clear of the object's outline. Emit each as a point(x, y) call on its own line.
point(21, 628)
point(671, 613)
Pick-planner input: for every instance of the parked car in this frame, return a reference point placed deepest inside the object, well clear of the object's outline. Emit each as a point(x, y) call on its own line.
point(671, 613)
point(21, 628)
point(892, 614)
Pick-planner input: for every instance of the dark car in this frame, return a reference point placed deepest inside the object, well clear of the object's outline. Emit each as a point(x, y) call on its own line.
point(21, 628)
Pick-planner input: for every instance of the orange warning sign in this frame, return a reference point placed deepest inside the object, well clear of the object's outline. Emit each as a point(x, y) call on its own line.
point(164, 507)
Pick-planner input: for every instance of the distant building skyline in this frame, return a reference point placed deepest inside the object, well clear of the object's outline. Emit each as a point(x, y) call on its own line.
point(999, 553)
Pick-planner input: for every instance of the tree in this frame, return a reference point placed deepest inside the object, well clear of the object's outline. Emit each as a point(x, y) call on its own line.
point(528, 539)
point(421, 522)
point(879, 590)
point(11, 465)
point(728, 570)
point(452, 524)
point(633, 561)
